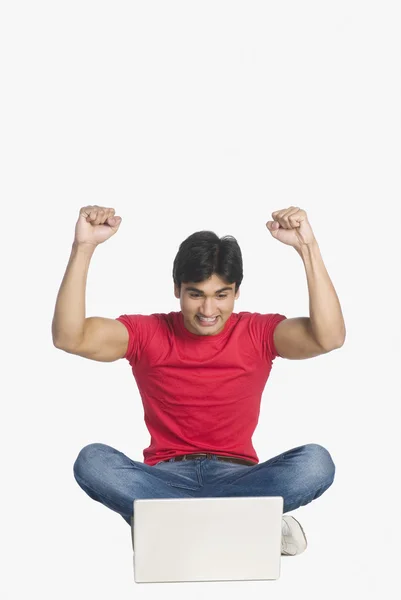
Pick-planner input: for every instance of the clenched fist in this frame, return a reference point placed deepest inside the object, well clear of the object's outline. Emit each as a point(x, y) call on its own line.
point(95, 225)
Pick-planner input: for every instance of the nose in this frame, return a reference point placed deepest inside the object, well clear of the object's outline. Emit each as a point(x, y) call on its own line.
point(207, 308)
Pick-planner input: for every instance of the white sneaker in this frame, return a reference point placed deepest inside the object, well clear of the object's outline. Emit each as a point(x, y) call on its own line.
point(293, 539)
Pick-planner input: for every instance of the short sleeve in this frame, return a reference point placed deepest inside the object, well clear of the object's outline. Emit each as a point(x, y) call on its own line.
point(141, 329)
point(262, 328)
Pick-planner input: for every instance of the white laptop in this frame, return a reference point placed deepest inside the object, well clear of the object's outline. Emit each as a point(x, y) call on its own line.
point(207, 539)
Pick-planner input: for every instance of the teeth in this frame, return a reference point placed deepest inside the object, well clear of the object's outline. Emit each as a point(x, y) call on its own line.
point(203, 319)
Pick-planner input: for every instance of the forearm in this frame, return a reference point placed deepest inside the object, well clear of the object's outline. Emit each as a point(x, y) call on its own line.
point(69, 315)
point(327, 322)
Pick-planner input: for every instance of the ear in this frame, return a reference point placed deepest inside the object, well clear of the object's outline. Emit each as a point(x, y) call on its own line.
point(176, 291)
point(237, 294)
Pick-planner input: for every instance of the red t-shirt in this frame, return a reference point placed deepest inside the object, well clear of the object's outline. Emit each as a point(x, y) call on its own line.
point(200, 393)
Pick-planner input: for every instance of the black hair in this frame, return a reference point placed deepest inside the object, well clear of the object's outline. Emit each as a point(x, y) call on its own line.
point(203, 253)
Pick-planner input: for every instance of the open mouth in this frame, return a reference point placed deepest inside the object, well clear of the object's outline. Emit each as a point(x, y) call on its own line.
point(206, 323)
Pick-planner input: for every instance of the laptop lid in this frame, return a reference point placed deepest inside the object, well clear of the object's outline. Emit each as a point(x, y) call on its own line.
point(207, 539)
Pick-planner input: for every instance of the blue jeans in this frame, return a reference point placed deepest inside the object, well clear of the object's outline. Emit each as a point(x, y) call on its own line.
point(108, 476)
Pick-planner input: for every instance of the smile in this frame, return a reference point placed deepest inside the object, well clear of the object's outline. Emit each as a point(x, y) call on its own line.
point(205, 322)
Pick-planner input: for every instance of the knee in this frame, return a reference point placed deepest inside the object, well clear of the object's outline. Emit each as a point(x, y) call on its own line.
point(87, 457)
point(320, 462)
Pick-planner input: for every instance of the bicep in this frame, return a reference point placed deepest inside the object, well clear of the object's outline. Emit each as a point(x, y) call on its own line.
point(294, 339)
point(104, 340)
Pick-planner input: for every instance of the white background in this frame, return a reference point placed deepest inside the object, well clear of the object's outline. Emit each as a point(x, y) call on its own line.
point(185, 116)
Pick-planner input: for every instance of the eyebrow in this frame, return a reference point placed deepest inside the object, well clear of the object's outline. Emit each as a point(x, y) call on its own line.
point(194, 289)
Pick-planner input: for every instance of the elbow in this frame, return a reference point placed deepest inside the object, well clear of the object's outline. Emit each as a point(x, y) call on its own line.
point(56, 344)
point(335, 345)
point(338, 341)
point(62, 346)
point(341, 340)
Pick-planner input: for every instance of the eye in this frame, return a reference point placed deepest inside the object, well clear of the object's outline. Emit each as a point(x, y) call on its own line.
point(197, 295)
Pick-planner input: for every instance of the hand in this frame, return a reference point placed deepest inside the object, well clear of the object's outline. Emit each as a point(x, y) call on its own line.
point(291, 226)
point(95, 225)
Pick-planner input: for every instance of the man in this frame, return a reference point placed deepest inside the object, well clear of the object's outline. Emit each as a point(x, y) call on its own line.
point(201, 373)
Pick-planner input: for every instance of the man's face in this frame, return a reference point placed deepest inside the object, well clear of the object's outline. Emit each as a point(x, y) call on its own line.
point(211, 298)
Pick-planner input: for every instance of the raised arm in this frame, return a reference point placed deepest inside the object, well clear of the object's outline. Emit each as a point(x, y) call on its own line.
point(324, 329)
point(93, 337)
